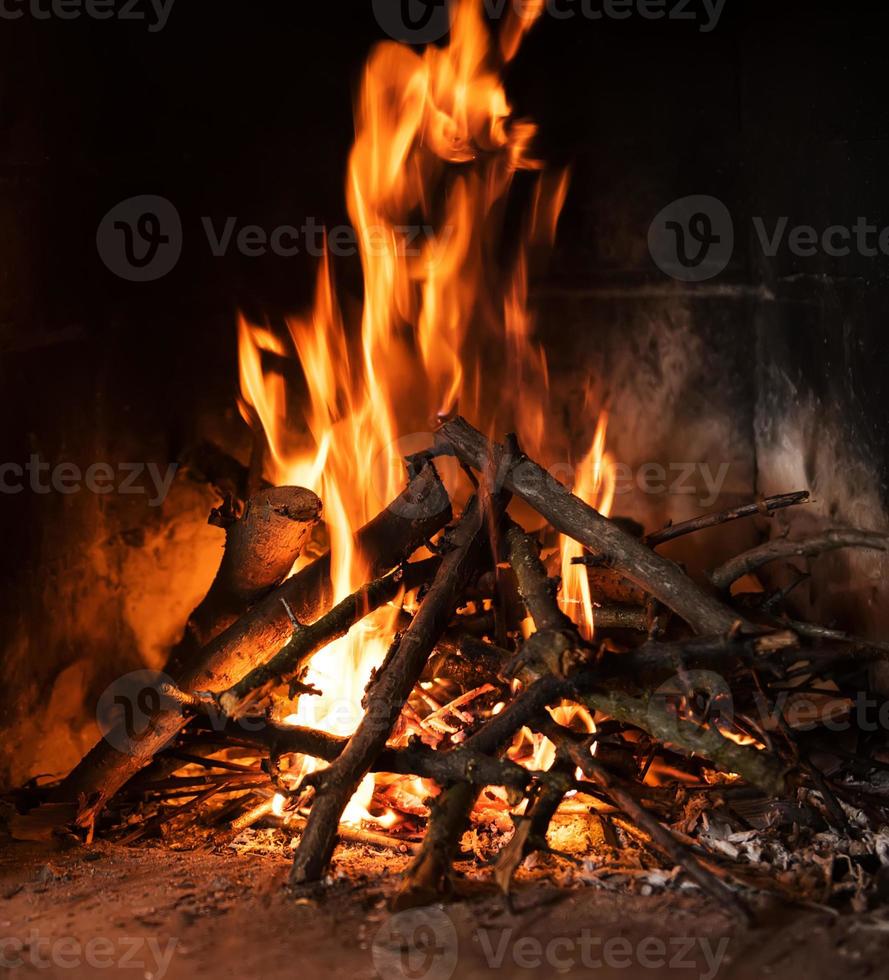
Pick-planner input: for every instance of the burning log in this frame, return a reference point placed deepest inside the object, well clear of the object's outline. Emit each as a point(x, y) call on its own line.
point(530, 833)
point(417, 514)
point(260, 549)
point(387, 694)
point(570, 515)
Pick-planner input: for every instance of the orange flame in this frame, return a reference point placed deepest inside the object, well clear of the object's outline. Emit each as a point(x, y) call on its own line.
point(595, 485)
point(436, 150)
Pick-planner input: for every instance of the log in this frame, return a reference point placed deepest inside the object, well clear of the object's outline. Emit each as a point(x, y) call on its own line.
point(570, 515)
point(417, 514)
point(771, 551)
point(387, 695)
point(260, 550)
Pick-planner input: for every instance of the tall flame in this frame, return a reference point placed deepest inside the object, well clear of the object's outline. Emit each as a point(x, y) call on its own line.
point(436, 150)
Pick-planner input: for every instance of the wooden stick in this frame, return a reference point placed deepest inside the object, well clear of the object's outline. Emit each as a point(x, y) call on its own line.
point(649, 714)
point(771, 551)
point(762, 508)
point(556, 647)
point(464, 763)
point(531, 829)
point(386, 696)
point(307, 640)
point(417, 514)
point(570, 515)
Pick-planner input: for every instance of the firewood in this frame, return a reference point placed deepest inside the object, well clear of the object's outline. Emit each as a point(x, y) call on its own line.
point(417, 514)
point(570, 515)
point(531, 829)
point(429, 875)
point(260, 549)
point(387, 694)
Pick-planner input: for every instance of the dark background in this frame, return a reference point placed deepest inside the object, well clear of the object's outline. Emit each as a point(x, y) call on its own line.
point(245, 109)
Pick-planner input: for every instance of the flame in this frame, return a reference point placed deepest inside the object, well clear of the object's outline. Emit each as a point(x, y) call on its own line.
point(595, 485)
point(436, 150)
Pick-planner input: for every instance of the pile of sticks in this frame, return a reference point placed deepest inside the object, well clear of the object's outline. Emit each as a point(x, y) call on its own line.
point(669, 659)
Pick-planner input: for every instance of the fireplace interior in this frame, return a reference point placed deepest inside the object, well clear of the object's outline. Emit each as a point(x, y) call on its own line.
point(421, 565)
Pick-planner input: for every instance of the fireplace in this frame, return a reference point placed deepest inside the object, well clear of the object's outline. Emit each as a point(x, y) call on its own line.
point(444, 489)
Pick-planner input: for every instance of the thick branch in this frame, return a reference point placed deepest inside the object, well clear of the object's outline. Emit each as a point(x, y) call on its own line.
point(651, 715)
point(260, 549)
point(462, 764)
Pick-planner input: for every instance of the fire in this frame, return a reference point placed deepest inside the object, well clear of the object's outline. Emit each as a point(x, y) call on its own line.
point(436, 147)
point(595, 485)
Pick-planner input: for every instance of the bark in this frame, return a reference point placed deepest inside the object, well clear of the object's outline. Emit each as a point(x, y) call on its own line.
point(260, 549)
